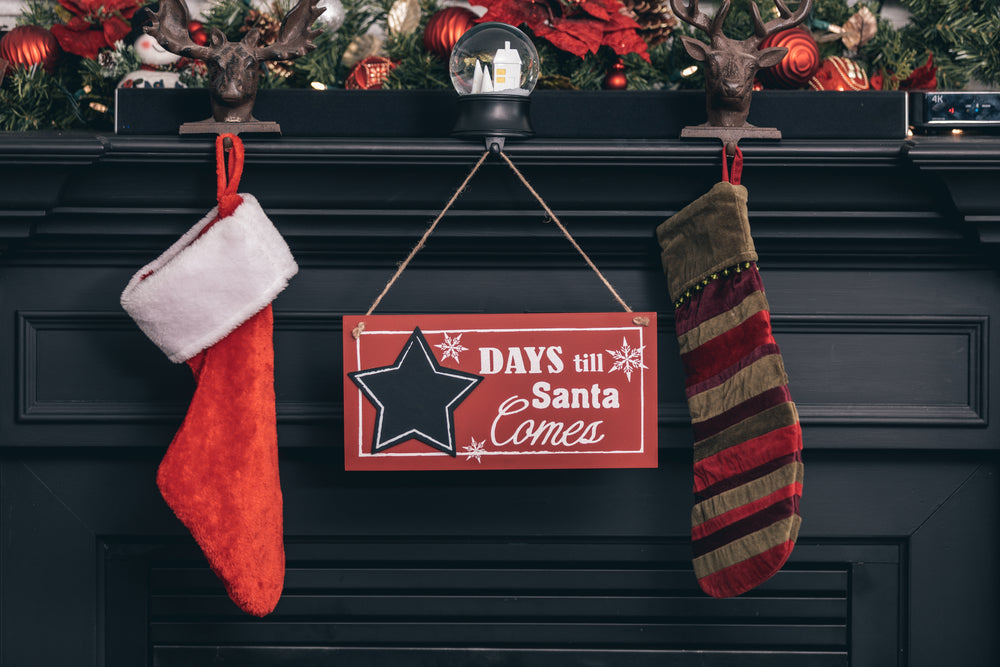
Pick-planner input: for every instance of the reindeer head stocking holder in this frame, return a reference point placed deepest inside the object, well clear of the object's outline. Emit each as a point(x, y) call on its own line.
point(730, 66)
point(234, 67)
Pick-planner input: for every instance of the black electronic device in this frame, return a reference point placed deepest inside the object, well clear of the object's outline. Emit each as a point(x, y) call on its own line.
point(955, 110)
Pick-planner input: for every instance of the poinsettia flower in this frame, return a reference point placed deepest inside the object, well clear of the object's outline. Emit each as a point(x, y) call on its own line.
point(575, 26)
point(95, 24)
point(922, 78)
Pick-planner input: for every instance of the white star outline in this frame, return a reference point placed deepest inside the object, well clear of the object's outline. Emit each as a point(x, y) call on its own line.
point(415, 341)
point(627, 359)
point(475, 450)
point(451, 347)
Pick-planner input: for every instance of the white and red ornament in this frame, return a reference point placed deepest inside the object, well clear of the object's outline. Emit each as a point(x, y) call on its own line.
point(837, 73)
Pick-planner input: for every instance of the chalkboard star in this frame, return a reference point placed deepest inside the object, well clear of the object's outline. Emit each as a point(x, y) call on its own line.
point(415, 398)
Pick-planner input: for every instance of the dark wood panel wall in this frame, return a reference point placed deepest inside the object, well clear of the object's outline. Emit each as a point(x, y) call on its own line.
point(880, 261)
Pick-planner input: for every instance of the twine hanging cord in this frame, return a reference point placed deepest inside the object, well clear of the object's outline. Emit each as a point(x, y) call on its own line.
point(356, 332)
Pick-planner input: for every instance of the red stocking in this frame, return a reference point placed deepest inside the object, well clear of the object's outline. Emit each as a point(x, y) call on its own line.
point(206, 301)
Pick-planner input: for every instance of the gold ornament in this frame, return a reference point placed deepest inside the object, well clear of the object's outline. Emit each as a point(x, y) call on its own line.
point(404, 17)
point(859, 29)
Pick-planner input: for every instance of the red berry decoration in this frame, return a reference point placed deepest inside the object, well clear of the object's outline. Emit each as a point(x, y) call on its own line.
point(799, 64)
point(28, 45)
point(445, 27)
point(615, 79)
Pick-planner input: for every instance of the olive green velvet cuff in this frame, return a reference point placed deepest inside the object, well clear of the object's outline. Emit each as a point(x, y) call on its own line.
point(708, 235)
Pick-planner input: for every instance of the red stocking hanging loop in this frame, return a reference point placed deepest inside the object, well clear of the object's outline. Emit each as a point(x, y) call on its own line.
point(228, 175)
point(732, 176)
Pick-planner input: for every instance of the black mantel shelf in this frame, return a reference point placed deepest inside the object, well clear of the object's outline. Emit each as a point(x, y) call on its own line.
point(926, 188)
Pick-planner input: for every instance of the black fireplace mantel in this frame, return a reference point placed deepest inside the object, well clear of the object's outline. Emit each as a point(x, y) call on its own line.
point(61, 185)
point(880, 260)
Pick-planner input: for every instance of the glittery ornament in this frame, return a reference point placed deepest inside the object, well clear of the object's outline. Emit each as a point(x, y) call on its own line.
point(838, 73)
point(369, 74)
point(615, 79)
point(334, 15)
point(445, 27)
point(798, 66)
point(404, 17)
point(361, 47)
point(28, 45)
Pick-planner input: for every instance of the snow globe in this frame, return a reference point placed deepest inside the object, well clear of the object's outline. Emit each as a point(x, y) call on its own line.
point(494, 68)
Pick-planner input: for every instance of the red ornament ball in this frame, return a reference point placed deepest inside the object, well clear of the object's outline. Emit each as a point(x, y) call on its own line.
point(445, 27)
point(799, 64)
point(838, 73)
point(615, 79)
point(28, 45)
point(199, 35)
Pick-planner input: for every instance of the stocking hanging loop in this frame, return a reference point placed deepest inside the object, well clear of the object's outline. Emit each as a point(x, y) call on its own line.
point(228, 173)
point(732, 176)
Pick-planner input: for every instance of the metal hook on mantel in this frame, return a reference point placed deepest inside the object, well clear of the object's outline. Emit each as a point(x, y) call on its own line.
point(494, 145)
point(730, 136)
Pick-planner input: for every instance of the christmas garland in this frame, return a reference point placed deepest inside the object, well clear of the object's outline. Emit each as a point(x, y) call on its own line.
point(67, 57)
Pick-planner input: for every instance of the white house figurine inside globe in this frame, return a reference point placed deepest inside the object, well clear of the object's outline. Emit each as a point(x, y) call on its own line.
point(494, 58)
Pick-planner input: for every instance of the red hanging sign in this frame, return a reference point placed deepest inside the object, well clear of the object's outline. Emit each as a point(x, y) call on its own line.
point(454, 392)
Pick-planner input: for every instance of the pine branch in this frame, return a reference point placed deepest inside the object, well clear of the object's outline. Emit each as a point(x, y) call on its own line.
point(39, 12)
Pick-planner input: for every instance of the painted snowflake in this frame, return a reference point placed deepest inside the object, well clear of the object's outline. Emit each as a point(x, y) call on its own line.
point(451, 347)
point(627, 359)
point(475, 450)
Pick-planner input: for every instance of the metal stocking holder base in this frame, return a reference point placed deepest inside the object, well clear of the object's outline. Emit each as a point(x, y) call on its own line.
point(730, 136)
point(212, 126)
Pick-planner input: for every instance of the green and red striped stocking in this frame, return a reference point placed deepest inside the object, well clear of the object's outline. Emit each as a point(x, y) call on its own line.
point(747, 439)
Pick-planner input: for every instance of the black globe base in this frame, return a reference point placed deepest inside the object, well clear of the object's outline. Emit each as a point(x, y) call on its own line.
point(494, 115)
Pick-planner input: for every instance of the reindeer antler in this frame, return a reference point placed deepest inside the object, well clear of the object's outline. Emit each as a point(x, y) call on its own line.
point(691, 14)
point(786, 19)
point(170, 28)
point(295, 37)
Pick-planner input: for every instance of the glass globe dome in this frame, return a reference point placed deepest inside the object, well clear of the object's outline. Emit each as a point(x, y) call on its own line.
point(494, 58)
